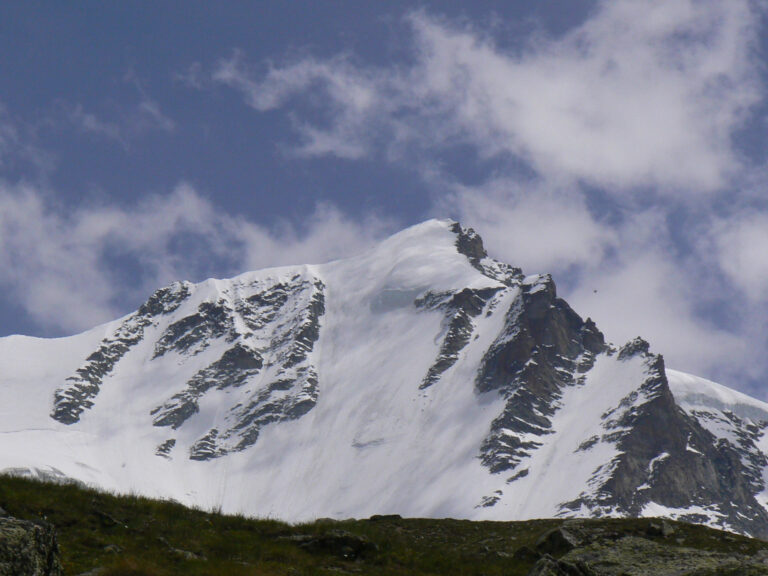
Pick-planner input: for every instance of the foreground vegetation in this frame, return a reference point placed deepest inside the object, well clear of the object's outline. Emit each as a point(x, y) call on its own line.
point(122, 536)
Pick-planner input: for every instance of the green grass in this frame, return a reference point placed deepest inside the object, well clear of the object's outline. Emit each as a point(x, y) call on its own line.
point(134, 536)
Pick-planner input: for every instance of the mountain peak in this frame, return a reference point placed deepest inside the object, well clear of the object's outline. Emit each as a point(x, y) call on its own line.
point(469, 243)
point(435, 235)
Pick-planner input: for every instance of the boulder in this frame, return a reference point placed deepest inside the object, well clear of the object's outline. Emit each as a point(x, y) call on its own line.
point(557, 542)
point(28, 548)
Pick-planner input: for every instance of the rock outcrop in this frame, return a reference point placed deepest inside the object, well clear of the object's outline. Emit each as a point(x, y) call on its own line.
point(28, 548)
point(580, 549)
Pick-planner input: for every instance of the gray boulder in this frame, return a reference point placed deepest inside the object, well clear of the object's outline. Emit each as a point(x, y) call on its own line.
point(28, 548)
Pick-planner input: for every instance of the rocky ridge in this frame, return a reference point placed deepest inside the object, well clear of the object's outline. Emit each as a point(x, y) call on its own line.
point(659, 548)
point(267, 329)
point(665, 456)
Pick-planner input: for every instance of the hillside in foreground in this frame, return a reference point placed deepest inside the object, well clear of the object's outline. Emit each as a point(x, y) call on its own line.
point(106, 535)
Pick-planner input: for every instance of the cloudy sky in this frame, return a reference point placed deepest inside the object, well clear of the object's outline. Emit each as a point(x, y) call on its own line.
point(620, 145)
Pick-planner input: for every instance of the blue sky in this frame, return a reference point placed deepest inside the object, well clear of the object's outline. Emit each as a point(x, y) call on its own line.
point(619, 145)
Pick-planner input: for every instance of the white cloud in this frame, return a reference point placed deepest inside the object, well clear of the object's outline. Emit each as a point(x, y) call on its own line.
point(192, 77)
point(123, 123)
point(148, 116)
point(741, 249)
point(91, 124)
point(621, 101)
point(355, 97)
point(124, 126)
point(18, 145)
point(72, 269)
point(648, 294)
point(328, 234)
point(348, 87)
point(644, 93)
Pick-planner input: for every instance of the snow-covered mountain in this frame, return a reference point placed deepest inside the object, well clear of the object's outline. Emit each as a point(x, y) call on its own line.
point(421, 378)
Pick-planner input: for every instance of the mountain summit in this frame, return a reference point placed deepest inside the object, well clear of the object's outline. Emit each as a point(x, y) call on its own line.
point(420, 378)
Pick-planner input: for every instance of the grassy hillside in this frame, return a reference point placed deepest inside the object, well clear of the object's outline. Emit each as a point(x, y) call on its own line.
point(136, 536)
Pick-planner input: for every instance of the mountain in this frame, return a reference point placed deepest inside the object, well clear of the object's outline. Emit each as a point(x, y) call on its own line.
point(420, 378)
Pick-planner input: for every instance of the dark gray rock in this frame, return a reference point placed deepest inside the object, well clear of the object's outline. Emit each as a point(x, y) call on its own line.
point(340, 543)
point(235, 366)
point(635, 347)
point(287, 316)
point(661, 528)
point(641, 557)
point(79, 391)
point(165, 300)
point(543, 347)
point(459, 309)
point(548, 566)
point(665, 456)
point(469, 243)
point(165, 448)
point(668, 458)
point(28, 548)
point(195, 332)
point(526, 555)
point(557, 542)
point(206, 447)
point(647, 548)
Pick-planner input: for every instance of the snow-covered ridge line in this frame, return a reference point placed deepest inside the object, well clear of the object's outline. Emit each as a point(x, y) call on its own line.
point(695, 392)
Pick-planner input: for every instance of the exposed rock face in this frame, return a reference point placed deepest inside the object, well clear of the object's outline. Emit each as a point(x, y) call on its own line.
point(469, 243)
point(699, 471)
point(459, 309)
point(80, 390)
point(668, 458)
point(282, 323)
point(267, 329)
point(580, 549)
point(543, 347)
point(28, 548)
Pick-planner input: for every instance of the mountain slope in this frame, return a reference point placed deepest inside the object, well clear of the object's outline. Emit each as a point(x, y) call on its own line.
point(421, 378)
